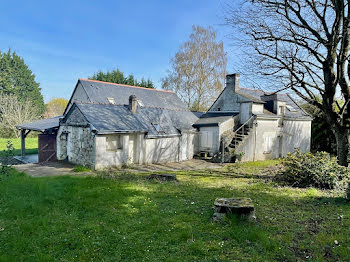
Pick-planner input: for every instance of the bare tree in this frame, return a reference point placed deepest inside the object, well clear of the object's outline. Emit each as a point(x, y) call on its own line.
point(13, 112)
point(198, 69)
point(302, 45)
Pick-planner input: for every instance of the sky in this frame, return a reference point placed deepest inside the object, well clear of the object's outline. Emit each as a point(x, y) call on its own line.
point(62, 41)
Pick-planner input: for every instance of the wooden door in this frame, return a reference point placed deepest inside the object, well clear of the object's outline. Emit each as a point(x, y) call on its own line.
point(47, 148)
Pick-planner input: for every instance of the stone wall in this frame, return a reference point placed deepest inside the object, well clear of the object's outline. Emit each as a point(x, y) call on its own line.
point(77, 145)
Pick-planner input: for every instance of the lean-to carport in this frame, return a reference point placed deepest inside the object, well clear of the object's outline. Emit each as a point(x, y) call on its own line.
point(47, 126)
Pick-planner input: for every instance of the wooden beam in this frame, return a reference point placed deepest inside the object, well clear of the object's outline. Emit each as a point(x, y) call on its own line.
point(23, 142)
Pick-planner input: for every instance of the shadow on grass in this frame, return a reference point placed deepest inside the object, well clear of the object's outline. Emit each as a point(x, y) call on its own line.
point(127, 217)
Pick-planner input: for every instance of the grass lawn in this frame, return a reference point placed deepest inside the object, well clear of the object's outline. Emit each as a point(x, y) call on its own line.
point(125, 217)
point(31, 145)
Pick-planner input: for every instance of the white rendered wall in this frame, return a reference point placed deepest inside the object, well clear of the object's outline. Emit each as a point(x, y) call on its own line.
point(257, 109)
point(294, 134)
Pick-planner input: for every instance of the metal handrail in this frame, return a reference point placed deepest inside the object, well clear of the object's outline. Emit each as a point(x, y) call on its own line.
point(249, 123)
point(242, 126)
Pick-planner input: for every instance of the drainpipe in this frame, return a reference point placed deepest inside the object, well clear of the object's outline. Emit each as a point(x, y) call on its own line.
point(255, 124)
point(223, 151)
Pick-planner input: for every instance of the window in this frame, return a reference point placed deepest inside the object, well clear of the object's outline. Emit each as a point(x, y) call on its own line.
point(111, 100)
point(158, 128)
point(267, 145)
point(114, 143)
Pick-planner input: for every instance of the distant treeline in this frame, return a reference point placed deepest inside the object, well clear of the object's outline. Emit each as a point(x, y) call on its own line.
point(116, 76)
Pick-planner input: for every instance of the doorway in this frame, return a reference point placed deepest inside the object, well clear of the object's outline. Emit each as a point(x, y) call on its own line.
point(132, 149)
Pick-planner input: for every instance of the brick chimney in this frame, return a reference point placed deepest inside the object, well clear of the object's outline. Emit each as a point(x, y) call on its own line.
point(133, 103)
point(232, 81)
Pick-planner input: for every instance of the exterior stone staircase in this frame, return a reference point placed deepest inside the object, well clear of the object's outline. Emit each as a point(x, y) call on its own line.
point(232, 140)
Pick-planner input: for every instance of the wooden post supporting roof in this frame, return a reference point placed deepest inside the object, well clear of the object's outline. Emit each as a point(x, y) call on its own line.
point(23, 142)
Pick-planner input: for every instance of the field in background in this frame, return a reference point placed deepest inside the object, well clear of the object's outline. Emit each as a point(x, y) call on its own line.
point(31, 145)
point(125, 217)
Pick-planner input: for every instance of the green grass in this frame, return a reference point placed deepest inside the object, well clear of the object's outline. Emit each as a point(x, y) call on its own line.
point(31, 145)
point(126, 217)
point(79, 168)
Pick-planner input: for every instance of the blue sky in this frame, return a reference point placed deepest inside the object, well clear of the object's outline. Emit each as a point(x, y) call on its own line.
point(62, 41)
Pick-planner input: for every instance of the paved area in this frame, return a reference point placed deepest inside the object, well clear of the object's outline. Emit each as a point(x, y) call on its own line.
point(63, 168)
point(28, 159)
point(47, 169)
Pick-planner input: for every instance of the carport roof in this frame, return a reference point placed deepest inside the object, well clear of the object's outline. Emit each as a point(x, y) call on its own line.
point(41, 125)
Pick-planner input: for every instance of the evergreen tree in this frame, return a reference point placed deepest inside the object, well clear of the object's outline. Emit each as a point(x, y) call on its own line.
point(17, 79)
point(116, 76)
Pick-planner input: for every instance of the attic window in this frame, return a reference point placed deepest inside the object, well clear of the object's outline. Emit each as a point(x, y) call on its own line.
point(111, 100)
point(290, 108)
point(158, 128)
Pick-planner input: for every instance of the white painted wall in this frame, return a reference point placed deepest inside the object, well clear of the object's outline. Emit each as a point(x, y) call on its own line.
point(145, 150)
point(296, 134)
point(106, 158)
point(280, 140)
point(257, 109)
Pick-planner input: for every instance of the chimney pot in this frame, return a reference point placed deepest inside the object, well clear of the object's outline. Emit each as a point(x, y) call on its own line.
point(133, 103)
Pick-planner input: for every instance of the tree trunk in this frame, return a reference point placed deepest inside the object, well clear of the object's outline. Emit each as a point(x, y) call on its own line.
point(341, 136)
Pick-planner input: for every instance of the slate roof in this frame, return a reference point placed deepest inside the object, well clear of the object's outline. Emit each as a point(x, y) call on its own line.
point(256, 95)
point(99, 91)
point(107, 118)
point(213, 119)
point(41, 125)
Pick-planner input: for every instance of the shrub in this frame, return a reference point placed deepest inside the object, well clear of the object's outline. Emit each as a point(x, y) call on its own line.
point(5, 161)
point(347, 193)
point(313, 170)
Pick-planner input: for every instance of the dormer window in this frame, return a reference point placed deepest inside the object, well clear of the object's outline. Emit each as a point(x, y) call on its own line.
point(158, 128)
point(282, 110)
point(111, 100)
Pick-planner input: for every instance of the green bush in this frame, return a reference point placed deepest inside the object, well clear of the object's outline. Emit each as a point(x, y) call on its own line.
point(347, 193)
point(313, 170)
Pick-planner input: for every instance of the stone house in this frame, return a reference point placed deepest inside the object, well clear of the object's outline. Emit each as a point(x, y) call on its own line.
point(253, 124)
point(107, 124)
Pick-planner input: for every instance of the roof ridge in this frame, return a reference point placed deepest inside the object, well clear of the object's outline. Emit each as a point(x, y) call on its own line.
point(109, 104)
point(252, 89)
point(153, 89)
